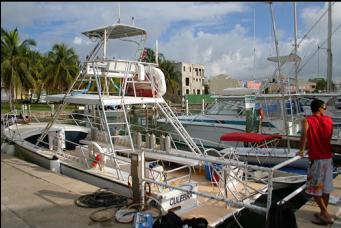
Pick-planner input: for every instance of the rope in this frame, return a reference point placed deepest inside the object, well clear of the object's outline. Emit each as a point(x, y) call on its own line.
point(115, 206)
point(101, 198)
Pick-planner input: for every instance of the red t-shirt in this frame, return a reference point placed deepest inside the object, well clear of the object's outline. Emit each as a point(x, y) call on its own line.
point(319, 134)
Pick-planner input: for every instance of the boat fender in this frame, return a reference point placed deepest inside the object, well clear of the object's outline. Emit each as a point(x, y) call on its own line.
point(55, 164)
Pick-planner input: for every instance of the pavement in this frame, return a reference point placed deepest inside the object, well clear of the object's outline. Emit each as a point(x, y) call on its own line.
point(32, 196)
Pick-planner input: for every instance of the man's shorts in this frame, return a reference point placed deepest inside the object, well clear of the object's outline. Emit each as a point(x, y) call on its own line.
point(320, 177)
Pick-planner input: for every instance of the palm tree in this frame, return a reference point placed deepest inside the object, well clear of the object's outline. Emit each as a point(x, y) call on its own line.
point(14, 63)
point(62, 68)
point(36, 67)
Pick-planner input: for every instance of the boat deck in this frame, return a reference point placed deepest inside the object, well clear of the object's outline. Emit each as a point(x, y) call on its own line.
point(215, 211)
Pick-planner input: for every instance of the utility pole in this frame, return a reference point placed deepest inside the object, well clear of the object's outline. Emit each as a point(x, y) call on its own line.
point(329, 50)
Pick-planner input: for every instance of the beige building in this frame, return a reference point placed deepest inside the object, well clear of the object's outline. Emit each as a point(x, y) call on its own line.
point(222, 81)
point(193, 76)
point(306, 86)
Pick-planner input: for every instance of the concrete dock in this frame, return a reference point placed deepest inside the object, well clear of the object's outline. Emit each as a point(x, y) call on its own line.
point(32, 196)
point(305, 214)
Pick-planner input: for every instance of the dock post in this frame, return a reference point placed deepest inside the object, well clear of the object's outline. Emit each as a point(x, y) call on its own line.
point(162, 142)
point(203, 106)
point(167, 144)
point(138, 140)
point(147, 145)
point(152, 141)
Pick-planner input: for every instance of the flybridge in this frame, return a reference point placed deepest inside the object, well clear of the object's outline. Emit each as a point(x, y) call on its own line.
point(115, 31)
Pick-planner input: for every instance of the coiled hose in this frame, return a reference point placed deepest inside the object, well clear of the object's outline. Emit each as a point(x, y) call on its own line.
point(102, 198)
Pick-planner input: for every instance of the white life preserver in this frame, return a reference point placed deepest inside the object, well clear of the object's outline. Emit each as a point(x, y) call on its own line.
point(158, 79)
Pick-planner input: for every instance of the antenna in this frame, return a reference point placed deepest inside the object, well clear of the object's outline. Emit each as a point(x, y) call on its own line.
point(119, 13)
point(254, 46)
point(157, 52)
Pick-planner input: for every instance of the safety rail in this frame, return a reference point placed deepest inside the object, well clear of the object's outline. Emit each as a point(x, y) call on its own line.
point(222, 197)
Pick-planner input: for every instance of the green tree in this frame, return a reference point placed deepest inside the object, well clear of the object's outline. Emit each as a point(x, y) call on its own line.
point(62, 68)
point(15, 72)
point(172, 77)
point(37, 69)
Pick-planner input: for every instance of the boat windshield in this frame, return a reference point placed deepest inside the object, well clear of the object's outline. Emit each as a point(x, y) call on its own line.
point(232, 107)
point(225, 108)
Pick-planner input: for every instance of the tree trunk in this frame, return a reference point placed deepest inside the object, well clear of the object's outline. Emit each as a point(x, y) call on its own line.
point(10, 99)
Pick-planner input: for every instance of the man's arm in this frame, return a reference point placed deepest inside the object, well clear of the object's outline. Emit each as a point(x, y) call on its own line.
point(304, 131)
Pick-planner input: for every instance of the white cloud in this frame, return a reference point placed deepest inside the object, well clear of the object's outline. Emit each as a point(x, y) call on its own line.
point(77, 40)
point(228, 51)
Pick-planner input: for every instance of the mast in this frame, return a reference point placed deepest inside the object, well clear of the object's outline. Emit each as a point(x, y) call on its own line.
point(295, 46)
point(283, 110)
point(119, 13)
point(329, 50)
point(254, 46)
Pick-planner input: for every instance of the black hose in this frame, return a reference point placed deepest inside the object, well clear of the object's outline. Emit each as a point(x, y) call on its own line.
point(101, 198)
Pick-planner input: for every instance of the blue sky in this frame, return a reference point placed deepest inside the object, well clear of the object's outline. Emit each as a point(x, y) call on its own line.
point(218, 35)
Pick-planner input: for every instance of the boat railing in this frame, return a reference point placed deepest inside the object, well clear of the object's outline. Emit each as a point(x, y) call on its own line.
point(116, 68)
point(230, 164)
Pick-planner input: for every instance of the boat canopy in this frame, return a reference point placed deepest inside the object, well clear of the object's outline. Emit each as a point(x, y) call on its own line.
point(115, 31)
point(285, 58)
point(248, 137)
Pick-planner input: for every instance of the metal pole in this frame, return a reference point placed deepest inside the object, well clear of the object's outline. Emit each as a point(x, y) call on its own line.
point(329, 50)
point(105, 44)
point(157, 52)
point(295, 36)
point(283, 110)
point(186, 107)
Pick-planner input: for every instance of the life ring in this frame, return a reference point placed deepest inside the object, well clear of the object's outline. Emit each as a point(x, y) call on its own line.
point(158, 78)
point(97, 161)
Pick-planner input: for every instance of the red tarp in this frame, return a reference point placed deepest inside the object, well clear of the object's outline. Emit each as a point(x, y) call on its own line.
point(247, 137)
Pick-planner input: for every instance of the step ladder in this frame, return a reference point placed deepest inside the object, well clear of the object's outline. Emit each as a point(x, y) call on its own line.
point(171, 117)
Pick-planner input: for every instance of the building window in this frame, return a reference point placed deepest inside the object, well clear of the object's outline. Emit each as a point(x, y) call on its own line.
point(198, 91)
point(184, 68)
point(190, 69)
point(179, 92)
point(187, 81)
point(193, 91)
point(187, 91)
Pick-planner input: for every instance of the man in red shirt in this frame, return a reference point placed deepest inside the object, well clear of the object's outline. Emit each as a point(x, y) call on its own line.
point(317, 129)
